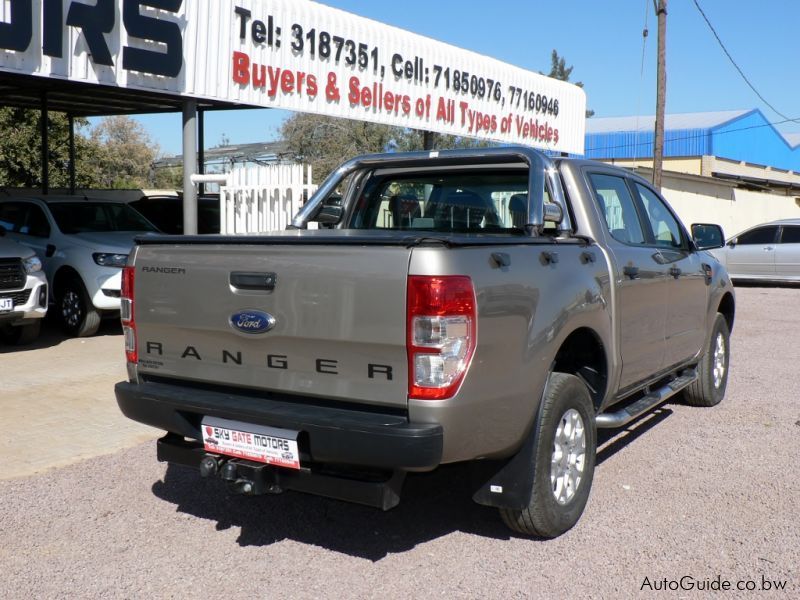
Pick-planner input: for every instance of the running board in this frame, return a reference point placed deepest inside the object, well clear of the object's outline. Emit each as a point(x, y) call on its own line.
point(646, 403)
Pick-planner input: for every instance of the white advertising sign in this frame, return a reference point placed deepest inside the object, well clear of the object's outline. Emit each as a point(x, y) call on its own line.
point(291, 54)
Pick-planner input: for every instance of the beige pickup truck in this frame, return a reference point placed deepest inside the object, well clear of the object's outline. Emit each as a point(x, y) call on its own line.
point(493, 306)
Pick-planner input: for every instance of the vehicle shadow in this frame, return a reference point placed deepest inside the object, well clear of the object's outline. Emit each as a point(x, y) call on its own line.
point(434, 505)
point(611, 441)
point(52, 335)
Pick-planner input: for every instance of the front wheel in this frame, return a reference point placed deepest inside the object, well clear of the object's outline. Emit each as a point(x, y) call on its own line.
point(712, 380)
point(79, 318)
point(564, 461)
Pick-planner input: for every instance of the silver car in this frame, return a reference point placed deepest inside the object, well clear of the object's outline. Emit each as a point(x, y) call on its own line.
point(768, 252)
point(83, 244)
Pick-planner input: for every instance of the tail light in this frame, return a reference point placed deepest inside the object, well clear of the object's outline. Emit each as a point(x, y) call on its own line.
point(127, 314)
point(441, 334)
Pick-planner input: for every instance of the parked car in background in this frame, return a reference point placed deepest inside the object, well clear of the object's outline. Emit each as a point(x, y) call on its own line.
point(83, 244)
point(768, 252)
point(166, 212)
point(23, 292)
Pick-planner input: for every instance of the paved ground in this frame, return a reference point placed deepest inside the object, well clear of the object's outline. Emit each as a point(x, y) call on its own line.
point(59, 396)
point(702, 496)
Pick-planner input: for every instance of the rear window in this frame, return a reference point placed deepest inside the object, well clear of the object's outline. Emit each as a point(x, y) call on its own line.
point(491, 202)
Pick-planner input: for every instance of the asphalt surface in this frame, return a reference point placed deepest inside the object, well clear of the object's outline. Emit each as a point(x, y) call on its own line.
point(707, 495)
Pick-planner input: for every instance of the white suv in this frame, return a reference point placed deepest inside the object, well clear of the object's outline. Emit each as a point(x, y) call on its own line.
point(23, 292)
point(83, 244)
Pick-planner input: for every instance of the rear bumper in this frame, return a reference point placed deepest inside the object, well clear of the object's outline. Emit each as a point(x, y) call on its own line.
point(328, 434)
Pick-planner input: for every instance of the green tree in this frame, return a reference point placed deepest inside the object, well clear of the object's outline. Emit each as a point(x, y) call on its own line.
point(116, 153)
point(20, 150)
point(126, 153)
point(324, 142)
point(560, 70)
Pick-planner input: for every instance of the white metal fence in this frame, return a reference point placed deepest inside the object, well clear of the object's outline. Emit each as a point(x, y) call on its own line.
point(257, 199)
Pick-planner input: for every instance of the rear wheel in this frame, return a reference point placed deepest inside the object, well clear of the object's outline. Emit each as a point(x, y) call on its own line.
point(79, 318)
point(712, 380)
point(563, 461)
point(21, 334)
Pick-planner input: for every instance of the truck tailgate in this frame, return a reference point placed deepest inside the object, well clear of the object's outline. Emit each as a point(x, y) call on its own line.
point(339, 318)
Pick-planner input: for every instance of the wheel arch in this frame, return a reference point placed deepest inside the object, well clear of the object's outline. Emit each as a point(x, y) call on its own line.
point(727, 308)
point(63, 274)
point(584, 355)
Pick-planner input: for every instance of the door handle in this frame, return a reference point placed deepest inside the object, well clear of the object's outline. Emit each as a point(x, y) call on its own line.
point(675, 272)
point(630, 271)
point(768, 248)
point(253, 281)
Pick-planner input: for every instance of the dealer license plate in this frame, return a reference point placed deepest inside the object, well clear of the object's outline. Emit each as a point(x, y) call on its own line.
point(254, 442)
point(6, 304)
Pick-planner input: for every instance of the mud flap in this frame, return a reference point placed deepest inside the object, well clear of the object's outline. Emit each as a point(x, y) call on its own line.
point(509, 483)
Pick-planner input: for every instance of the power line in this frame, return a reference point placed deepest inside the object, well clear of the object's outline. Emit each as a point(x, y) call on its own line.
point(733, 62)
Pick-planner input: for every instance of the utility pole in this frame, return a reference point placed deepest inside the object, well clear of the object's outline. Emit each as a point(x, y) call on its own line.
point(428, 140)
point(661, 91)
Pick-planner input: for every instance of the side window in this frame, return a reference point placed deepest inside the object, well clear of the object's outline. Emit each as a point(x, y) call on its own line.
point(760, 235)
point(36, 222)
point(790, 235)
point(616, 205)
point(665, 229)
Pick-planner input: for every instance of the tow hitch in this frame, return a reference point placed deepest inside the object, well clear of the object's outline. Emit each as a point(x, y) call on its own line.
point(380, 489)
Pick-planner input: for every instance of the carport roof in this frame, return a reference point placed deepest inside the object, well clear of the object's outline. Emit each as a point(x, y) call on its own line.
point(91, 100)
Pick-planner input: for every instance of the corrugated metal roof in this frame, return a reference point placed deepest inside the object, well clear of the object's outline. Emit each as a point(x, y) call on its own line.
point(700, 120)
point(792, 138)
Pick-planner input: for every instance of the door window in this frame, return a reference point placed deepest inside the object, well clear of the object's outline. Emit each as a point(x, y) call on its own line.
point(759, 235)
point(790, 235)
point(663, 225)
point(616, 205)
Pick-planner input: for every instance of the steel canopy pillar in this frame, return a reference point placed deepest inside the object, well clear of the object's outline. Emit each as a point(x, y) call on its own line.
point(189, 166)
point(201, 147)
point(71, 120)
point(45, 117)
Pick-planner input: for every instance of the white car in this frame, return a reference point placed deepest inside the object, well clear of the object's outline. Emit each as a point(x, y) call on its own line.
point(23, 292)
point(769, 252)
point(83, 244)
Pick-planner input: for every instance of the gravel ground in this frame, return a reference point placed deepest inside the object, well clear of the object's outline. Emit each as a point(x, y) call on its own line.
point(703, 493)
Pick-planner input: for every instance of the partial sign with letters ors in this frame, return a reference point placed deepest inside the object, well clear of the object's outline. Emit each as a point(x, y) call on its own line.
point(258, 443)
point(291, 54)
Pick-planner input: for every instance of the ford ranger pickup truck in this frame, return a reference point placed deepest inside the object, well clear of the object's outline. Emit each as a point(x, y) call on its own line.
point(494, 306)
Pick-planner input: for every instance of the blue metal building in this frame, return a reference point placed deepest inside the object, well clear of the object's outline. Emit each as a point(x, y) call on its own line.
point(742, 135)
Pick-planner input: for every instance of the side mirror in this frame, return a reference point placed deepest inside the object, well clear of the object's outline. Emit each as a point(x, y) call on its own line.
point(733, 242)
point(329, 215)
point(331, 212)
point(553, 213)
point(707, 236)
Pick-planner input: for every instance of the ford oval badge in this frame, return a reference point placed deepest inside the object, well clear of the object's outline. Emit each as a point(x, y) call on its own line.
point(252, 321)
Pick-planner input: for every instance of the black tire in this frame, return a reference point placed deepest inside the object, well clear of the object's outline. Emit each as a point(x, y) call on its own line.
point(712, 380)
point(79, 318)
point(548, 516)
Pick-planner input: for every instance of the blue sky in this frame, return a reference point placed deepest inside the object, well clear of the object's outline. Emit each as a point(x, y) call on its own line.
point(602, 39)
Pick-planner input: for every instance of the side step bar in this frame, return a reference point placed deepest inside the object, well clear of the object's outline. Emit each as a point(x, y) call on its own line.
point(646, 403)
